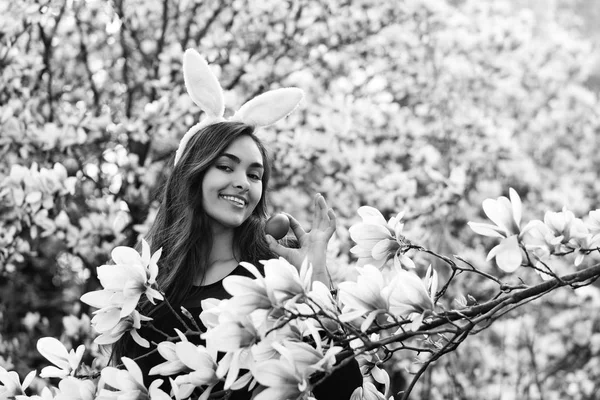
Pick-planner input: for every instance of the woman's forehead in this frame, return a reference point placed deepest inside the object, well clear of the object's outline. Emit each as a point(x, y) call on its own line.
point(245, 149)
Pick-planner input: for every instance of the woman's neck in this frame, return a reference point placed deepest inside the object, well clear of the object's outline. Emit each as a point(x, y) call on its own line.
point(223, 249)
point(222, 259)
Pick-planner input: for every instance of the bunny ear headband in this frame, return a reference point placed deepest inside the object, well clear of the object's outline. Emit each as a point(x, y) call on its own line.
point(204, 89)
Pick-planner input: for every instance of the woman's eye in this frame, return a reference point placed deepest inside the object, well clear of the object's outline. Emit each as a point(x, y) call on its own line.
point(224, 168)
point(255, 177)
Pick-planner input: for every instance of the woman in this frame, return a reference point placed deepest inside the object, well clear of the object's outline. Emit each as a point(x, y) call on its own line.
point(212, 217)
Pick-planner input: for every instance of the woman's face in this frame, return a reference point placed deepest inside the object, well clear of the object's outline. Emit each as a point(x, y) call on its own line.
point(232, 186)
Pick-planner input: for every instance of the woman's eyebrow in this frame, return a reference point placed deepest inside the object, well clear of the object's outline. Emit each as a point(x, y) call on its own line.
point(237, 160)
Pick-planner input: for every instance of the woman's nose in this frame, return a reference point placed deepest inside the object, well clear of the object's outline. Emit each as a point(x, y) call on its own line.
point(241, 182)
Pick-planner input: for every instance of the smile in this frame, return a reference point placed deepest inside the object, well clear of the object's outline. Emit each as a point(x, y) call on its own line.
point(238, 202)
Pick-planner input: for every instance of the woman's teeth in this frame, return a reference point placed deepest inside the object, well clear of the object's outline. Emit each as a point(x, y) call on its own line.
point(238, 202)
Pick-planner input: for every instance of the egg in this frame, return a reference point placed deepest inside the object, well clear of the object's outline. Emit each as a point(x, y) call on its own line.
point(277, 226)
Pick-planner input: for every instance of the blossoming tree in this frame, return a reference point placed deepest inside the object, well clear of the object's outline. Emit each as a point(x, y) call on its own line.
point(422, 107)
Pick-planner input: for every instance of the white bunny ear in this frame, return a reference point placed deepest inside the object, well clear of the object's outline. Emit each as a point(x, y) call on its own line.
point(202, 85)
point(269, 107)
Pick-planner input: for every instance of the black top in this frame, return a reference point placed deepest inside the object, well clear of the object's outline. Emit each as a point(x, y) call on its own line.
point(338, 386)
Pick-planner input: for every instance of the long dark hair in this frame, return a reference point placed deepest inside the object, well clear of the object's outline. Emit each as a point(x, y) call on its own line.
point(181, 227)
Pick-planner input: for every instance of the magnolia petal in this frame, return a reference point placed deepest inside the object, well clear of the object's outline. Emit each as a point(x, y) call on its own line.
point(238, 285)
point(114, 277)
point(369, 233)
point(98, 298)
point(579, 259)
point(508, 254)
point(153, 294)
point(357, 394)
point(129, 305)
point(242, 381)
point(407, 262)
point(360, 251)
point(126, 255)
point(384, 249)
point(54, 351)
point(153, 266)
point(371, 215)
point(274, 373)
point(108, 338)
point(234, 370)
point(194, 357)
point(156, 393)
point(138, 339)
point(53, 372)
point(252, 269)
point(167, 350)
point(369, 320)
point(485, 229)
point(517, 206)
point(28, 379)
point(499, 212)
point(205, 394)
point(351, 316)
point(381, 376)
point(75, 357)
point(134, 370)
point(276, 393)
point(168, 368)
point(145, 256)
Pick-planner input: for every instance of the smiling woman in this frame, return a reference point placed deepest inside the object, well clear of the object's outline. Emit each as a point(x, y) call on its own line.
point(212, 217)
point(233, 186)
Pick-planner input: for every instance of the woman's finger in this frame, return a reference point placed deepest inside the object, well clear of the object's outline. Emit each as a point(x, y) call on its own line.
point(332, 219)
point(295, 226)
point(277, 248)
point(317, 212)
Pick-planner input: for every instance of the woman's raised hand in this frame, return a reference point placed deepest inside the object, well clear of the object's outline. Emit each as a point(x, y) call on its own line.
point(313, 244)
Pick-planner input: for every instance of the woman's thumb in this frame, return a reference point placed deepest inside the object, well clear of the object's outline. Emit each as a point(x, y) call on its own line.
point(277, 248)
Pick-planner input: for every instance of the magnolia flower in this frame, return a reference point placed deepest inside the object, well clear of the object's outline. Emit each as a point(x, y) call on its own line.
point(281, 380)
point(202, 365)
point(132, 274)
point(172, 365)
point(371, 296)
point(234, 335)
point(158, 394)
point(231, 335)
point(288, 376)
point(408, 295)
point(212, 310)
point(285, 281)
point(72, 388)
point(565, 227)
point(559, 232)
point(127, 383)
point(11, 384)
point(506, 215)
point(367, 391)
point(376, 239)
point(364, 297)
point(321, 302)
point(307, 359)
point(248, 293)
point(55, 352)
point(130, 324)
point(593, 223)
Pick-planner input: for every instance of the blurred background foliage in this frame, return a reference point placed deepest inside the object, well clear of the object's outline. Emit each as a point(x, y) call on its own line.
point(425, 105)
